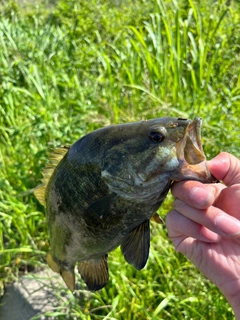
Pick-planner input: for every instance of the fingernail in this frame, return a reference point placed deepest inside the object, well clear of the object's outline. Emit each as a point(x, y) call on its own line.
point(228, 225)
point(199, 195)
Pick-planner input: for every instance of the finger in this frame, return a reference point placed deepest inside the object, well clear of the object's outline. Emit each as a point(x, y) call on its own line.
point(212, 218)
point(229, 200)
point(225, 167)
point(179, 227)
point(197, 194)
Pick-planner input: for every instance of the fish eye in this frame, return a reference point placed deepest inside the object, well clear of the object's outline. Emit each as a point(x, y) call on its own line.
point(156, 136)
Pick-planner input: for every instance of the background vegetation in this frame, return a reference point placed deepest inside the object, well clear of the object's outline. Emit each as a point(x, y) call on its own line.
point(69, 67)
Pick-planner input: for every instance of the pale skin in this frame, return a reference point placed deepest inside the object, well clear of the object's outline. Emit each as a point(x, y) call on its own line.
point(205, 226)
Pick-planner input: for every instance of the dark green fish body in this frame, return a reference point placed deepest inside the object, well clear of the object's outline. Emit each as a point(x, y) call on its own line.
point(108, 186)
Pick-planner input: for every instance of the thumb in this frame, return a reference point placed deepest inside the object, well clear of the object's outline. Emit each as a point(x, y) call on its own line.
point(225, 167)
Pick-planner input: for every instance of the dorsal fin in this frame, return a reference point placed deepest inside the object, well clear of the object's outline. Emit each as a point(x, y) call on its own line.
point(54, 158)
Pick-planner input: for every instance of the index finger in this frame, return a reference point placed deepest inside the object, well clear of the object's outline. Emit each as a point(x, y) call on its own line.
point(225, 167)
point(197, 194)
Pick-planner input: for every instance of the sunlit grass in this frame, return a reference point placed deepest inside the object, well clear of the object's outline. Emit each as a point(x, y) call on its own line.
point(71, 67)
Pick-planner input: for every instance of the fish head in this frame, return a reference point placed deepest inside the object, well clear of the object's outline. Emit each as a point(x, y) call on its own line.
point(148, 155)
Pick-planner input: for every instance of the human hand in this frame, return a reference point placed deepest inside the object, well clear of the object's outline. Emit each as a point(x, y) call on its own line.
point(205, 226)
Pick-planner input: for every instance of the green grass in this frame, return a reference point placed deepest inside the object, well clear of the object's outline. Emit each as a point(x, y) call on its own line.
point(69, 67)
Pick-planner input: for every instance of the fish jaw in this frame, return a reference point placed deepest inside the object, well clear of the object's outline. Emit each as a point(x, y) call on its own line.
point(192, 160)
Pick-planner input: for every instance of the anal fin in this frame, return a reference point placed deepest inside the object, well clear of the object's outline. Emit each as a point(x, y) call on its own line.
point(94, 272)
point(135, 247)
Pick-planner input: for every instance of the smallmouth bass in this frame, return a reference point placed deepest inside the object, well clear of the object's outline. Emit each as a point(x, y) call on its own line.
point(101, 192)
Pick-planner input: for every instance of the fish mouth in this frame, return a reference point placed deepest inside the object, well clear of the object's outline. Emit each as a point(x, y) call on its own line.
point(192, 160)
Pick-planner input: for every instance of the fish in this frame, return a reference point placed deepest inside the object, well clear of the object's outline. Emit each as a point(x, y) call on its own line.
point(101, 192)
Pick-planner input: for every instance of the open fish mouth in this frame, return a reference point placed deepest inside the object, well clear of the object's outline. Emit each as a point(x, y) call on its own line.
point(191, 157)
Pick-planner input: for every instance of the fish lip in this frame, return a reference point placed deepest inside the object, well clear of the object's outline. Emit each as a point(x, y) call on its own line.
point(191, 140)
point(197, 172)
point(191, 156)
point(194, 132)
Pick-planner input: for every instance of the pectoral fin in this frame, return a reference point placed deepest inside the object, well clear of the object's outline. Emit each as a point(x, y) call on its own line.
point(135, 247)
point(94, 272)
point(102, 213)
